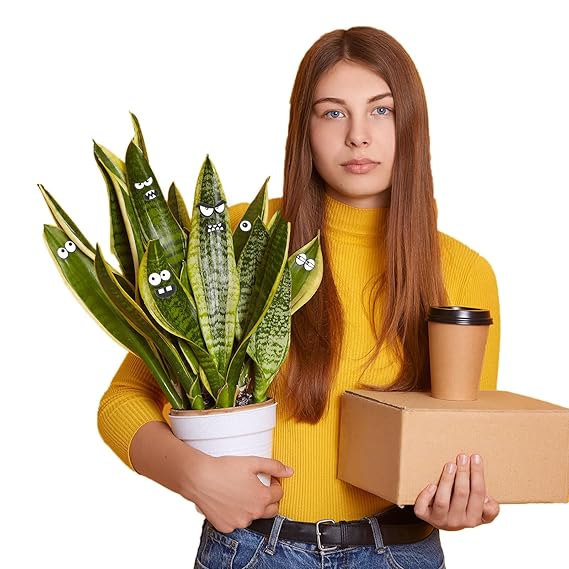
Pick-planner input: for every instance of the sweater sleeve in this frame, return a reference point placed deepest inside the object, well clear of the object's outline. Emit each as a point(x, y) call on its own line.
point(132, 400)
point(480, 290)
point(133, 397)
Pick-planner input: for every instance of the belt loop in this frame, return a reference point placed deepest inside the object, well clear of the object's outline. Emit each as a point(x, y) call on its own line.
point(275, 531)
point(377, 537)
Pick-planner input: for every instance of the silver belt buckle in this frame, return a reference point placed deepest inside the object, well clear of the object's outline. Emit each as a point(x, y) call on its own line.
point(318, 534)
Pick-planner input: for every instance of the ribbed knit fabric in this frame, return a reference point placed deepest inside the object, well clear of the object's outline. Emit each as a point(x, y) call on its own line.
point(357, 254)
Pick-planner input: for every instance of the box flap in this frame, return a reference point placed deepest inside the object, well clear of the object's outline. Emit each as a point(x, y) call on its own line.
point(487, 401)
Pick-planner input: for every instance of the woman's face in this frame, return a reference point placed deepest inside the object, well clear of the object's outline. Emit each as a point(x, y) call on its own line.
point(353, 119)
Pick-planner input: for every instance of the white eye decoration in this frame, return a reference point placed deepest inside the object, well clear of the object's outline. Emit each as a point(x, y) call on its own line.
point(148, 182)
point(139, 185)
point(154, 279)
point(302, 260)
point(165, 275)
point(309, 265)
point(206, 211)
point(220, 207)
point(245, 225)
point(69, 247)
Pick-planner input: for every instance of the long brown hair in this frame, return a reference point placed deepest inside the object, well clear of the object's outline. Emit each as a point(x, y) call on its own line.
point(412, 280)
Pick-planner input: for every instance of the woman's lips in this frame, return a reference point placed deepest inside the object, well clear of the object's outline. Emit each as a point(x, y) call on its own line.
point(359, 166)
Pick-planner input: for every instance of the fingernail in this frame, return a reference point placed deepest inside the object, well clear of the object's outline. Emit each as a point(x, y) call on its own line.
point(451, 467)
point(289, 470)
point(462, 459)
point(476, 458)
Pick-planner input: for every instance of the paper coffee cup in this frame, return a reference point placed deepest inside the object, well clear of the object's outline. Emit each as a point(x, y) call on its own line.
point(457, 343)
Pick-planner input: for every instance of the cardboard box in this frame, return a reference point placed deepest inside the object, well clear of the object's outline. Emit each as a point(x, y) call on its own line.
point(395, 443)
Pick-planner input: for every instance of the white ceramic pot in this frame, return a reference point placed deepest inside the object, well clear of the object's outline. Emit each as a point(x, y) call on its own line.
point(238, 431)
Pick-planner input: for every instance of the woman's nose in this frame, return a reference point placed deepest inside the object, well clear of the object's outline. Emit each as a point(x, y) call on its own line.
point(358, 134)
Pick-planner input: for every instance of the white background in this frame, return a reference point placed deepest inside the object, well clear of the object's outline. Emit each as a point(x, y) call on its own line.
point(217, 79)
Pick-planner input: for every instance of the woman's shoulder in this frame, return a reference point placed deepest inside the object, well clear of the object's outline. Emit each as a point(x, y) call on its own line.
point(237, 210)
point(462, 265)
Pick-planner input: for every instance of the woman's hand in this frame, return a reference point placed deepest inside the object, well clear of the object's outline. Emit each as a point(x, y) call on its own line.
point(469, 505)
point(225, 489)
point(228, 492)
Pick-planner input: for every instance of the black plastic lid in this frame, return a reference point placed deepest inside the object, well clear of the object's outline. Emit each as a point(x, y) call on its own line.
point(460, 315)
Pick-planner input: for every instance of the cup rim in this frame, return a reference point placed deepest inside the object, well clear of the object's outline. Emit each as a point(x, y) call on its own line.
point(464, 315)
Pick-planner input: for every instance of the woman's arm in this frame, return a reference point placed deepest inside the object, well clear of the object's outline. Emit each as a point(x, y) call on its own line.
point(131, 423)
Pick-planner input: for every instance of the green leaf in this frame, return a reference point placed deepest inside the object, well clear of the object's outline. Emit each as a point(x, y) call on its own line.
point(156, 219)
point(269, 274)
point(211, 267)
point(115, 169)
point(248, 268)
point(140, 321)
point(66, 224)
point(306, 269)
point(269, 345)
point(78, 271)
point(259, 207)
point(120, 244)
point(178, 207)
point(138, 138)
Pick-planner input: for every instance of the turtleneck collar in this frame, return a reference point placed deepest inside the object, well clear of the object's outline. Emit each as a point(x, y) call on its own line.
point(355, 221)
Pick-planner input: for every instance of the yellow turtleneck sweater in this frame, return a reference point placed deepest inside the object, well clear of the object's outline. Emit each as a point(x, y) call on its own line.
point(356, 254)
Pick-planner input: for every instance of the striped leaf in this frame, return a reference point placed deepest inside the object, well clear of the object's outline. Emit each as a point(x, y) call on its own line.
point(178, 207)
point(259, 207)
point(306, 269)
point(211, 268)
point(269, 345)
point(78, 271)
point(140, 321)
point(266, 284)
point(248, 269)
point(156, 219)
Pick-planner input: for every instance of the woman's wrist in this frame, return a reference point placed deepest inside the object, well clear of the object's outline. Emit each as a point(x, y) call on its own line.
point(155, 452)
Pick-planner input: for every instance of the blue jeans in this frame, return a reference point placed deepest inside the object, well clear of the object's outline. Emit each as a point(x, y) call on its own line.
point(246, 549)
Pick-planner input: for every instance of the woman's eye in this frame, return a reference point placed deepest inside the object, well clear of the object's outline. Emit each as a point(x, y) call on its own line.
point(382, 111)
point(333, 114)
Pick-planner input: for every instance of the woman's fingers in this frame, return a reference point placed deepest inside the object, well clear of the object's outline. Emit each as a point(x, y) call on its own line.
point(461, 491)
point(441, 501)
point(490, 510)
point(477, 490)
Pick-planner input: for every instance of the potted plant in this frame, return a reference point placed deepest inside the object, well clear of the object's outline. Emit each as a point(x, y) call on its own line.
point(208, 311)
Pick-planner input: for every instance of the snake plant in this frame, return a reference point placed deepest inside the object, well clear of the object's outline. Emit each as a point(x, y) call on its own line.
point(206, 308)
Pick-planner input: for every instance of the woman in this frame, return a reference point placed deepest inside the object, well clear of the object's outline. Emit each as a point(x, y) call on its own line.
point(357, 166)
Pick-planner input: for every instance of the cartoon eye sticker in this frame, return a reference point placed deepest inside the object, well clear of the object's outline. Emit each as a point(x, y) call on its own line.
point(156, 279)
point(140, 185)
point(245, 225)
point(301, 259)
point(207, 211)
point(69, 247)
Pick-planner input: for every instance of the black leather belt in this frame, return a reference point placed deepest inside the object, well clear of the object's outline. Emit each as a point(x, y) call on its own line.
point(397, 525)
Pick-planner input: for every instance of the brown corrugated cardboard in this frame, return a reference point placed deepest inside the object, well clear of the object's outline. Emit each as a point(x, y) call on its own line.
point(395, 443)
